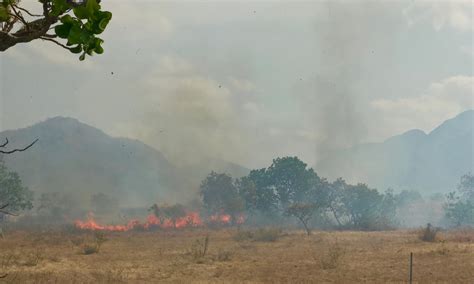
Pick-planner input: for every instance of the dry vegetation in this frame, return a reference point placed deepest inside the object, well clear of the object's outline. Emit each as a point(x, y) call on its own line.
point(236, 256)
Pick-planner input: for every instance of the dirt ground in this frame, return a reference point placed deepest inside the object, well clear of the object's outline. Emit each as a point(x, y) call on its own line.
point(179, 257)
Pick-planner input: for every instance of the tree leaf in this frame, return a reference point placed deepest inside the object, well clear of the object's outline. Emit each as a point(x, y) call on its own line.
point(4, 14)
point(77, 49)
point(62, 31)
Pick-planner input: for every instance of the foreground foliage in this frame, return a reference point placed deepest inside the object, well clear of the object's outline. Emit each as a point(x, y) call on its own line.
point(78, 23)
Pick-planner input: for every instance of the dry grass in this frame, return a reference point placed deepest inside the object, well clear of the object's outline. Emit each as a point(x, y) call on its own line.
point(163, 257)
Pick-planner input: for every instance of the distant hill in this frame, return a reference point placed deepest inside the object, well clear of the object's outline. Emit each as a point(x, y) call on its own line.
point(79, 159)
point(429, 163)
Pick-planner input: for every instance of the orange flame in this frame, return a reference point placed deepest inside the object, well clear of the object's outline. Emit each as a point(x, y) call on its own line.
point(192, 219)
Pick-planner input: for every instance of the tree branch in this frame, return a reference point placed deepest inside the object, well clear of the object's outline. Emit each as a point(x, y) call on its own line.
point(47, 38)
point(26, 11)
point(20, 17)
point(7, 213)
point(4, 144)
point(19, 150)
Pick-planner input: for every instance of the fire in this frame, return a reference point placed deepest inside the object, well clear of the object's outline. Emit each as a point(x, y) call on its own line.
point(191, 220)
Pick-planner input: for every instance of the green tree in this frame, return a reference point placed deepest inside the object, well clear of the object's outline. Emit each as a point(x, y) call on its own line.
point(291, 180)
point(459, 210)
point(466, 187)
point(362, 205)
point(335, 200)
point(264, 198)
point(220, 196)
point(76, 22)
point(303, 212)
point(13, 193)
point(55, 206)
point(459, 206)
point(406, 197)
point(248, 193)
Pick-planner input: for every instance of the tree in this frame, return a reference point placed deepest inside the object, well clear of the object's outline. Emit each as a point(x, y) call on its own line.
point(407, 197)
point(466, 186)
point(13, 194)
point(220, 196)
point(459, 205)
point(288, 187)
point(362, 205)
point(303, 212)
point(77, 22)
point(458, 210)
point(262, 198)
point(335, 200)
point(291, 180)
point(248, 193)
point(55, 206)
point(3, 203)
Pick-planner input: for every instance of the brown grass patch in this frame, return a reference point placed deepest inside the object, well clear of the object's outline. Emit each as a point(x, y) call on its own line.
point(157, 257)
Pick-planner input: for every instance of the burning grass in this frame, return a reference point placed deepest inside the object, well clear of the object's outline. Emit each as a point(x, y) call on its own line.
point(189, 220)
point(164, 256)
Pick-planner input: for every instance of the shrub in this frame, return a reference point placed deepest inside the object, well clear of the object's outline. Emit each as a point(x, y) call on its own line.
point(428, 234)
point(199, 249)
point(99, 239)
point(464, 235)
point(34, 258)
point(332, 257)
point(267, 235)
point(243, 235)
point(260, 235)
point(90, 249)
point(224, 255)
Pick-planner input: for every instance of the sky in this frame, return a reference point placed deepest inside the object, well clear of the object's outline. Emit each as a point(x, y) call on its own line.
point(250, 81)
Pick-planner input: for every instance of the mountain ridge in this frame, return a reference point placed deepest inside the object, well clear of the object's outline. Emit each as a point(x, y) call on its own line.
point(428, 162)
point(82, 160)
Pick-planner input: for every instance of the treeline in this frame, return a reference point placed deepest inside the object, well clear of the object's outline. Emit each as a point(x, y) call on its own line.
point(289, 189)
point(287, 192)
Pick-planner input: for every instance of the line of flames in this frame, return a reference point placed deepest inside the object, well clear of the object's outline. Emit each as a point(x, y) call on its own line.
point(192, 219)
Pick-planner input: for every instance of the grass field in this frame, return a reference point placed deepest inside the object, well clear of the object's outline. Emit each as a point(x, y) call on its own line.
point(183, 257)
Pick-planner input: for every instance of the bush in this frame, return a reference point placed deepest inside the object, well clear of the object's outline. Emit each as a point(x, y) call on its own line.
point(267, 235)
point(224, 255)
point(260, 235)
point(90, 249)
point(243, 235)
point(428, 234)
point(99, 239)
point(332, 257)
point(199, 249)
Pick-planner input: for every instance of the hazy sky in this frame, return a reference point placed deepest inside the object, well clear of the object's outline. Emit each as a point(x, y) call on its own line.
point(247, 82)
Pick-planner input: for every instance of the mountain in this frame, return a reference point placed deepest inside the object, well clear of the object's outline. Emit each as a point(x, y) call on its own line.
point(79, 159)
point(430, 163)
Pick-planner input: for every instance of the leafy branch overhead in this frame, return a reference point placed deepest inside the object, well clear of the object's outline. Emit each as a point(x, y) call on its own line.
point(75, 22)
